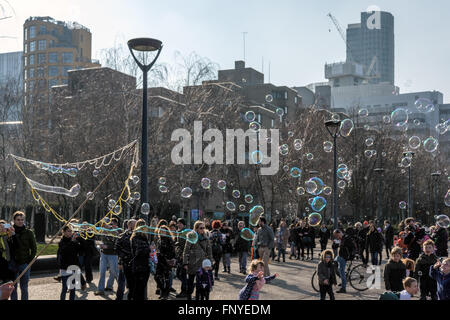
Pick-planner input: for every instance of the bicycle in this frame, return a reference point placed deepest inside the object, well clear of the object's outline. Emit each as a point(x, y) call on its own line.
point(357, 276)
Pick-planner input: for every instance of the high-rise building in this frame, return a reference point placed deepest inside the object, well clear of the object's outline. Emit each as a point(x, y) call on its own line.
point(51, 49)
point(372, 44)
point(10, 66)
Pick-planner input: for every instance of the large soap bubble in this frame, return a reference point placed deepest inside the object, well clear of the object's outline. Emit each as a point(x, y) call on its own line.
point(399, 117)
point(431, 145)
point(347, 127)
point(424, 105)
point(247, 234)
point(318, 204)
point(231, 206)
point(186, 193)
point(314, 219)
point(255, 213)
point(296, 172)
point(415, 142)
point(443, 221)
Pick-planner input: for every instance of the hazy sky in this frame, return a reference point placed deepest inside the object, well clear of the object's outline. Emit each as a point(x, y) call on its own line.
point(293, 34)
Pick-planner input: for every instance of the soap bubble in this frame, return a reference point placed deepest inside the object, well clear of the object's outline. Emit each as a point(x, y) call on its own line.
point(318, 204)
point(284, 149)
point(279, 112)
point(90, 196)
point(424, 105)
point(441, 128)
point(335, 117)
point(192, 237)
point(269, 98)
point(222, 185)
point(248, 198)
point(443, 221)
point(406, 162)
point(231, 206)
point(431, 145)
point(255, 126)
point(163, 189)
point(363, 113)
point(320, 185)
point(162, 180)
point(135, 180)
point(310, 156)
point(342, 184)
point(328, 146)
point(387, 119)
point(242, 207)
point(399, 117)
point(136, 196)
point(206, 183)
point(95, 173)
point(368, 153)
point(311, 186)
point(341, 173)
point(415, 142)
point(290, 134)
point(327, 191)
point(298, 144)
point(111, 203)
point(301, 191)
point(117, 209)
point(347, 127)
point(255, 213)
point(257, 157)
point(296, 172)
point(315, 219)
point(186, 193)
point(447, 198)
point(247, 234)
point(369, 142)
point(236, 194)
point(402, 205)
point(417, 122)
point(286, 168)
point(250, 116)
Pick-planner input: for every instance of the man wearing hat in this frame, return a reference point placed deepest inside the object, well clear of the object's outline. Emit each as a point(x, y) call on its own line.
point(264, 242)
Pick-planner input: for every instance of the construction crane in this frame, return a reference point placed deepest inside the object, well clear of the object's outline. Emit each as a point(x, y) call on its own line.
point(341, 32)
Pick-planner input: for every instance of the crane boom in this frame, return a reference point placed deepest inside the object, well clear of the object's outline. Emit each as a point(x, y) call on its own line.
point(343, 36)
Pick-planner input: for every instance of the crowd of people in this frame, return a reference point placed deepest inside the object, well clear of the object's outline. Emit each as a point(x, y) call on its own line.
point(134, 255)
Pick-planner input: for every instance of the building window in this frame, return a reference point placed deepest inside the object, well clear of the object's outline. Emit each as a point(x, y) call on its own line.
point(42, 44)
point(53, 57)
point(65, 70)
point(296, 100)
point(32, 60)
point(31, 73)
point(67, 57)
point(285, 95)
point(40, 72)
point(43, 29)
point(32, 32)
point(41, 58)
point(32, 46)
point(31, 85)
point(53, 71)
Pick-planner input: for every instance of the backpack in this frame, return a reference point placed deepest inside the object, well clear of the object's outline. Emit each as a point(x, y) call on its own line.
point(389, 295)
point(216, 244)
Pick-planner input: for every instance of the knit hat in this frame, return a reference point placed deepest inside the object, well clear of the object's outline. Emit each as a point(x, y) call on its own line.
point(365, 223)
point(206, 263)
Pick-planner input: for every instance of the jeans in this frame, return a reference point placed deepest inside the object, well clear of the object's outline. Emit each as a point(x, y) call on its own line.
point(226, 260)
point(111, 261)
point(120, 285)
point(281, 252)
point(243, 261)
point(64, 289)
point(374, 257)
point(342, 263)
point(292, 249)
point(18, 269)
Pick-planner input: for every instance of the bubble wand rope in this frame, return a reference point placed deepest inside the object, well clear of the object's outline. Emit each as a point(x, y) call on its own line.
point(73, 216)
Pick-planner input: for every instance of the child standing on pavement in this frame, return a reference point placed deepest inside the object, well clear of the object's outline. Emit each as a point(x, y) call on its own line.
point(327, 274)
point(255, 281)
point(204, 281)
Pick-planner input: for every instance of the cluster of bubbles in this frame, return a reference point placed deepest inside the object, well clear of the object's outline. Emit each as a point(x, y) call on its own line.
point(284, 150)
point(162, 185)
point(424, 105)
point(298, 144)
point(52, 169)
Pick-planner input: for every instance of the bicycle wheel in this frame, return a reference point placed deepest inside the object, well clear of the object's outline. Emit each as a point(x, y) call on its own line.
point(358, 278)
point(315, 282)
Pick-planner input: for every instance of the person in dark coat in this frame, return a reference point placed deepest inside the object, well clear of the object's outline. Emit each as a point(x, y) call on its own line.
point(166, 261)
point(180, 243)
point(217, 242)
point(123, 248)
point(227, 247)
point(68, 255)
point(88, 251)
point(324, 236)
point(140, 247)
point(388, 237)
point(428, 286)
point(307, 234)
point(441, 273)
point(395, 271)
point(413, 240)
point(292, 241)
point(375, 244)
point(326, 271)
point(242, 247)
point(441, 240)
point(362, 242)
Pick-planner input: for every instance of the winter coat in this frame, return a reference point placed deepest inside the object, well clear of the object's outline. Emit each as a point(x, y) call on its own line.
point(87, 246)
point(123, 248)
point(347, 248)
point(389, 236)
point(141, 253)
point(241, 245)
point(23, 245)
point(68, 251)
point(194, 254)
point(327, 271)
point(265, 237)
point(227, 247)
point(109, 242)
point(441, 241)
point(324, 235)
point(166, 252)
point(362, 238)
point(443, 283)
point(282, 237)
point(204, 280)
point(375, 241)
point(423, 264)
point(216, 240)
point(414, 248)
point(394, 273)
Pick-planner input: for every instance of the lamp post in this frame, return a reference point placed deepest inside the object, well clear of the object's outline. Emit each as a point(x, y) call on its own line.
point(410, 204)
point(380, 171)
point(436, 177)
point(144, 45)
point(333, 127)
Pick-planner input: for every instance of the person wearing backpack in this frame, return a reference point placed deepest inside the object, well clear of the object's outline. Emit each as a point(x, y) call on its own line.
point(216, 239)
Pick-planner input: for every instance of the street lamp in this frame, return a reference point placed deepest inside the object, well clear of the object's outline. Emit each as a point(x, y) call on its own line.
point(145, 46)
point(333, 127)
point(436, 177)
point(380, 171)
point(410, 204)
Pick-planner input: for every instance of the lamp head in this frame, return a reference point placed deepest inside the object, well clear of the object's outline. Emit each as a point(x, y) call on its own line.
point(333, 126)
point(145, 44)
